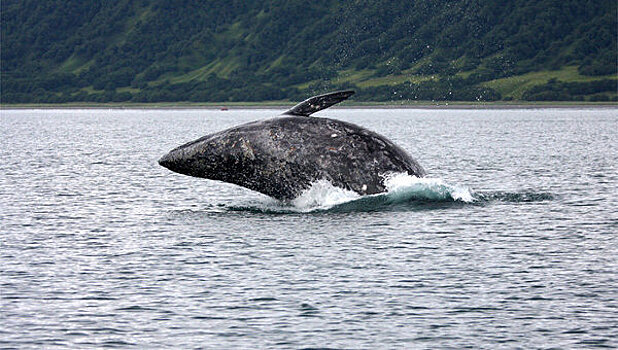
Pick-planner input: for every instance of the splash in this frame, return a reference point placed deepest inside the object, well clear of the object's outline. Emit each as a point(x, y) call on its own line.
point(404, 187)
point(323, 195)
point(403, 192)
point(401, 189)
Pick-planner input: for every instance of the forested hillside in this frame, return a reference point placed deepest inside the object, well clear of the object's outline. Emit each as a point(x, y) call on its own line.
point(234, 50)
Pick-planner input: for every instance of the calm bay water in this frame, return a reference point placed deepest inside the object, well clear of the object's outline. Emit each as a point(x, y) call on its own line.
point(102, 247)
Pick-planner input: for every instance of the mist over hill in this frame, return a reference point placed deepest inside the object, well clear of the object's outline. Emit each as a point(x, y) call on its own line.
point(232, 50)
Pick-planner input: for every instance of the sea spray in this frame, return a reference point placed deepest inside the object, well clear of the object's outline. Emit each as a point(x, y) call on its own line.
point(403, 187)
point(323, 195)
point(400, 188)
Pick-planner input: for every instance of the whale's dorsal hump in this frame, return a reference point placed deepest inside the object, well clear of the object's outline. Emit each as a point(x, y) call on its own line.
point(318, 103)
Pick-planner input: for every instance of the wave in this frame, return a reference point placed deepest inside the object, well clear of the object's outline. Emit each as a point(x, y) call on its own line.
point(402, 191)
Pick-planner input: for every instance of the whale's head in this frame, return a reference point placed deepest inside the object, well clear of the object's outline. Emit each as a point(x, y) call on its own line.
point(218, 156)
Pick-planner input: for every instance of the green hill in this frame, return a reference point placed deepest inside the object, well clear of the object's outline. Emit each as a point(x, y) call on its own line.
point(233, 50)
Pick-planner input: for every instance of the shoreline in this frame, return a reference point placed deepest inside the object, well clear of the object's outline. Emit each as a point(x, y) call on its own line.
point(284, 105)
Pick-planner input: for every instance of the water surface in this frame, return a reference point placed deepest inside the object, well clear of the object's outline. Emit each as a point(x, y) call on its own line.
point(102, 247)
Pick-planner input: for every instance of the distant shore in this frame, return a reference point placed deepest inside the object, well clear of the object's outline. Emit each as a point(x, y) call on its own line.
point(285, 105)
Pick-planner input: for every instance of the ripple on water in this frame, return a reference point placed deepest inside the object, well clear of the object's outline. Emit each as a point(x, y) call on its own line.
point(510, 241)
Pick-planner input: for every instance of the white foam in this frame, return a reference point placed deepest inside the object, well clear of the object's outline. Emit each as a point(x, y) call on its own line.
point(323, 195)
point(400, 186)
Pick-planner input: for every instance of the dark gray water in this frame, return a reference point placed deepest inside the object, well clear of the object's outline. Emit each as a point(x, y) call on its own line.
point(510, 244)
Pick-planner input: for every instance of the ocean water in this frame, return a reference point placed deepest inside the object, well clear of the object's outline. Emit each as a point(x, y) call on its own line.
point(510, 241)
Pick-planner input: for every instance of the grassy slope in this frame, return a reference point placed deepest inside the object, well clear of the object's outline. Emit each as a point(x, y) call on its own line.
point(197, 62)
point(516, 85)
point(199, 69)
point(513, 86)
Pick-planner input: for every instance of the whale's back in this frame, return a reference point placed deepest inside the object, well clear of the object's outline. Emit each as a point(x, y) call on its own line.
point(284, 155)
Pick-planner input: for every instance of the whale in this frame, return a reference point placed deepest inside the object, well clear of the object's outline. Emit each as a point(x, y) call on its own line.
point(283, 156)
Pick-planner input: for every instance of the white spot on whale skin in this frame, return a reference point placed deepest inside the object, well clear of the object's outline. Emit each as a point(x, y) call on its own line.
point(364, 188)
point(247, 150)
point(333, 135)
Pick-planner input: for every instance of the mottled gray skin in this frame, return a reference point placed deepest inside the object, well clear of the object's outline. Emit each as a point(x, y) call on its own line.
point(282, 156)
